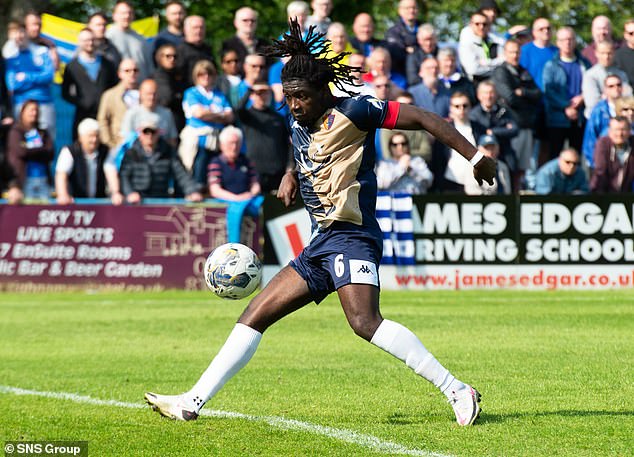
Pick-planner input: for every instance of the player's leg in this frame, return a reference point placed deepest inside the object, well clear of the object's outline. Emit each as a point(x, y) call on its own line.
point(285, 293)
point(360, 303)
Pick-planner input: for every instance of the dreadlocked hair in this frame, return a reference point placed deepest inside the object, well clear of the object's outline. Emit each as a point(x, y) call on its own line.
point(309, 61)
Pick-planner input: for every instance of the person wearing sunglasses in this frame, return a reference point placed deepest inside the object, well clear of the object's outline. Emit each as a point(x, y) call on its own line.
point(402, 172)
point(170, 83)
point(624, 57)
point(151, 169)
point(562, 175)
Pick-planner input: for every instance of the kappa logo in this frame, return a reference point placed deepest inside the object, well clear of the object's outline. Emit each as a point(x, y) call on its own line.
point(363, 272)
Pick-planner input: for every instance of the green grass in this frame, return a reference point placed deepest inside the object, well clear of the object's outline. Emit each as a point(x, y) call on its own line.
point(555, 369)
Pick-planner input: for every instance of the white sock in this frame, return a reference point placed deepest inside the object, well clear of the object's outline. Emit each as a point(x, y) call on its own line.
point(399, 341)
point(234, 354)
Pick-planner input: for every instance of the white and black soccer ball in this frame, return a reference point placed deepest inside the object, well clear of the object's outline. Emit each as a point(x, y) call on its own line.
point(233, 271)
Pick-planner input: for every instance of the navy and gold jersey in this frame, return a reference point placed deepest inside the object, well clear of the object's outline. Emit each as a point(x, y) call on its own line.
point(336, 159)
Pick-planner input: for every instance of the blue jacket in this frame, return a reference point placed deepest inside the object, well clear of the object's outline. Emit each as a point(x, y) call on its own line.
point(550, 180)
point(556, 91)
point(29, 74)
point(599, 120)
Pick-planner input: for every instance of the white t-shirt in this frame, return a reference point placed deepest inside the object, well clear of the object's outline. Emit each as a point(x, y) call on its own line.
point(65, 163)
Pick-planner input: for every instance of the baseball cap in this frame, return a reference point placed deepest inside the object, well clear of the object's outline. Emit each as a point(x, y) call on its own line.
point(487, 140)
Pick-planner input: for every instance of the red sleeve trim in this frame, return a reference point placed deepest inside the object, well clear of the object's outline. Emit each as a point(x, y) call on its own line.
point(393, 109)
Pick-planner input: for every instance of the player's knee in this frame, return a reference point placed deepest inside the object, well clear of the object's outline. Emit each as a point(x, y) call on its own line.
point(364, 325)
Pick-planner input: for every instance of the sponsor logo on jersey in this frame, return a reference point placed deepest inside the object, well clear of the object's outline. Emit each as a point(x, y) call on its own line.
point(329, 121)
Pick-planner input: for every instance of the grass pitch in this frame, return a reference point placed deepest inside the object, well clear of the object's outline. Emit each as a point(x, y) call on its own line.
point(555, 370)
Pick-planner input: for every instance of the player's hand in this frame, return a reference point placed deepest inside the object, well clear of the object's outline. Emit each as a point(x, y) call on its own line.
point(287, 192)
point(484, 170)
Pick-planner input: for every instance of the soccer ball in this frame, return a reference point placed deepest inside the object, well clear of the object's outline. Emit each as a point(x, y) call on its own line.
point(233, 271)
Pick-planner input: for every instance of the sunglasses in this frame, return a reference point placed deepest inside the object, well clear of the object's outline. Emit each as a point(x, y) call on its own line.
point(404, 143)
point(148, 131)
point(464, 106)
point(571, 162)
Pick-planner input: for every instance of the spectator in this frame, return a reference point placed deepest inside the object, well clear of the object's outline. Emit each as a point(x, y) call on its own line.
point(9, 183)
point(175, 13)
point(29, 76)
point(594, 78)
point(613, 159)
point(193, 48)
point(497, 120)
point(245, 41)
point(299, 10)
point(380, 64)
point(86, 77)
point(625, 108)
point(427, 47)
point(79, 172)
point(491, 10)
point(11, 47)
point(562, 175)
point(535, 54)
point(232, 176)
point(232, 179)
point(150, 167)
point(321, 15)
point(624, 57)
point(601, 30)
point(450, 76)
point(418, 140)
point(502, 185)
point(230, 76)
point(402, 35)
point(401, 172)
point(30, 152)
point(97, 22)
point(355, 60)
point(364, 40)
point(266, 135)
point(430, 94)
point(170, 84)
point(6, 113)
point(116, 101)
point(207, 111)
point(338, 41)
point(384, 89)
point(33, 27)
point(520, 95)
point(478, 52)
point(600, 117)
point(562, 94)
point(254, 69)
point(448, 166)
point(130, 44)
point(148, 106)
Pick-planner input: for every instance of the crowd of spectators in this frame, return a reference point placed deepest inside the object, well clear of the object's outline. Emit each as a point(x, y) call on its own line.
point(166, 117)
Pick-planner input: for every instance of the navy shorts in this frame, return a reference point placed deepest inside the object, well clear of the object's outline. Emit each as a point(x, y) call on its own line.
point(337, 257)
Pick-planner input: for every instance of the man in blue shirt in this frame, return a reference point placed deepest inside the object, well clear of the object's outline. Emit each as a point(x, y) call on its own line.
point(562, 175)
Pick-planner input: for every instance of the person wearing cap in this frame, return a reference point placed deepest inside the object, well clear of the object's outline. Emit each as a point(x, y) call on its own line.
point(562, 175)
point(151, 166)
point(502, 185)
point(80, 168)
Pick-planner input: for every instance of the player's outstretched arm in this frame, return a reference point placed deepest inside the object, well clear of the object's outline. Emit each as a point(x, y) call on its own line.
point(413, 118)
